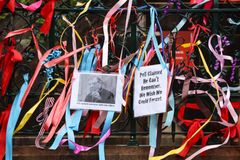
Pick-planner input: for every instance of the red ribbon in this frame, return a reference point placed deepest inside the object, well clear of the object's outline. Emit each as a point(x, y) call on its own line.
point(224, 113)
point(204, 142)
point(93, 116)
point(193, 128)
point(196, 30)
point(2, 4)
point(47, 13)
point(236, 105)
point(234, 131)
point(7, 63)
point(1, 56)
point(10, 57)
point(194, 125)
point(3, 128)
point(11, 5)
point(99, 59)
point(207, 5)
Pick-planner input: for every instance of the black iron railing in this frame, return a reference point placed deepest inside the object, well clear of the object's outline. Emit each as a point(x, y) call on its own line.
point(127, 124)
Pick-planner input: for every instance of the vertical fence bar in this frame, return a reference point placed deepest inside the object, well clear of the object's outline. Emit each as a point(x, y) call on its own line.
point(51, 37)
point(133, 47)
point(215, 17)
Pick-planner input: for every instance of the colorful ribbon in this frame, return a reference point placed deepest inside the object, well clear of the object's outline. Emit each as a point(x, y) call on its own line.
point(47, 13)
point(4, 116)
point(105, 30)
point(14, 114)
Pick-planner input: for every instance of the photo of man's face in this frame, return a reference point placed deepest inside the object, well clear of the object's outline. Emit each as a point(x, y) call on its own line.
point(95, 85)
point(96, 91)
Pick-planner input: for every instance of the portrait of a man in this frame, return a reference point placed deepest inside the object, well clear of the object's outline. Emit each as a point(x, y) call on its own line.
point(95, 88)
point(98, 93)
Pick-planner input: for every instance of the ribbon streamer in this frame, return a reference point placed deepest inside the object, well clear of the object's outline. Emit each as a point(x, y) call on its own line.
point(105, 30)
point(4, 116)
point(48, 104)
point(32, 7)
point(233, 22)
point(14, 114)
point(47, 13)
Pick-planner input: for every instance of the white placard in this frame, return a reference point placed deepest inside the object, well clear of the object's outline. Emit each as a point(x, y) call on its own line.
point(150, 90)
point(96, 91)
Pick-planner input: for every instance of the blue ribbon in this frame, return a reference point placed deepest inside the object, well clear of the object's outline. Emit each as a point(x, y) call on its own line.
point(106, 127)
point(75, 118)
point(151, 36)
point(170, 114)
point(153, 130)
point(49, 71)
point(14, 114)
point(69, 129)
point(72, 122)
point(84, 60)
point(90, 59)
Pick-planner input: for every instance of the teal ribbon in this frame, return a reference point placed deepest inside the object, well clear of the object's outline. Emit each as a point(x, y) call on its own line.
point(106, 127)
point(170, 114)
point(14, 115)
point(72, 122)
point(153, 130)
point(151, 36)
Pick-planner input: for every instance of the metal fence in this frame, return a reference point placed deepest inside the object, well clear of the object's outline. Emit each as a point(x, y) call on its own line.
point(136, 34)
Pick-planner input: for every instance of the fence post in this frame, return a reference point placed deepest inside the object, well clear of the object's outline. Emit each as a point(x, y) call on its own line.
point(133, 47)
point(52, 31)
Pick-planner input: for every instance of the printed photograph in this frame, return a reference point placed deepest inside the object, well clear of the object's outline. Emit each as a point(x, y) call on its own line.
point(97, 88)
point(97, 91)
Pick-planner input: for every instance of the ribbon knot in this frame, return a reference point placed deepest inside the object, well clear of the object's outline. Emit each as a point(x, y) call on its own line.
point(192, 129)
point(234, 131)
point(8, 60)
point(198, 26)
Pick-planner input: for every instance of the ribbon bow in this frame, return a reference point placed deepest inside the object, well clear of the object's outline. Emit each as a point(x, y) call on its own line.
point(196, 27)
point(193, 125)
point(7, 64)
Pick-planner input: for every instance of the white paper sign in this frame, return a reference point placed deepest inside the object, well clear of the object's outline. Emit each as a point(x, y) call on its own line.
point(97, 91)
point(150, 90)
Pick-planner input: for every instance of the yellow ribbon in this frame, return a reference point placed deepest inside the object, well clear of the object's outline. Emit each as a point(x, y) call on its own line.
point(72, 24)
point(131, 78)
point(29, 113)
point(187, 45)
point(116, 119)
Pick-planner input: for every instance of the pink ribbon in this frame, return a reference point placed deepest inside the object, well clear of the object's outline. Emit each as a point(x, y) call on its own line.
point(105, 30)
point(32, 7)
point(79, 148)
point(48, 104)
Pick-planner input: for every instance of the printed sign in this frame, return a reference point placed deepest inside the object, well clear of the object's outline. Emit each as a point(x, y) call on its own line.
point(181, 53)
point(150, 90)
point(96, 91)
